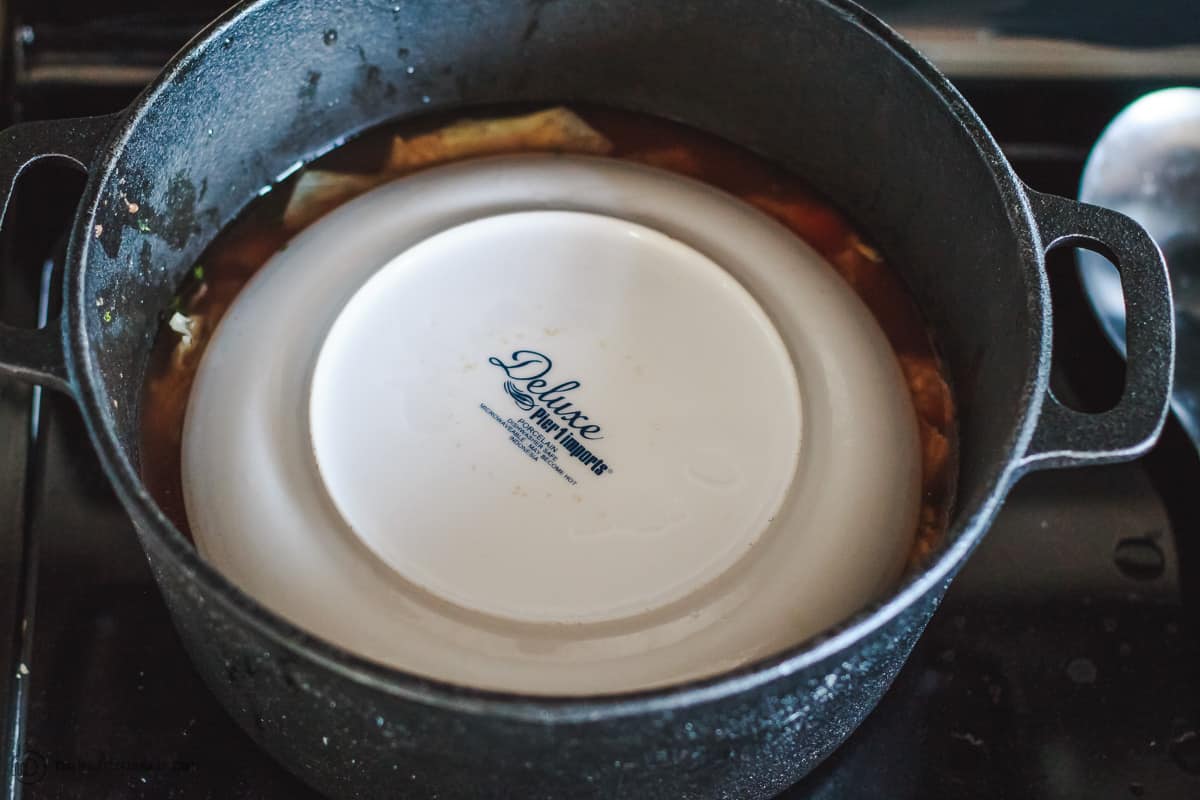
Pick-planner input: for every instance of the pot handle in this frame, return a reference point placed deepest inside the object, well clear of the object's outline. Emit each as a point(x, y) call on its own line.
point(37, 356)
point(1064, 437)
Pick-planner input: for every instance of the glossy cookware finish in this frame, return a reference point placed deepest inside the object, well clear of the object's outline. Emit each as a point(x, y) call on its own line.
point(818, 85)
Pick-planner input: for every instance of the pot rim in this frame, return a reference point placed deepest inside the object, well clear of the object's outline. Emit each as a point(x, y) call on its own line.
point(168, 541)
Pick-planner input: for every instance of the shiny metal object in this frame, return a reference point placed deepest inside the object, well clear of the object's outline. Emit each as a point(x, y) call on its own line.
point(1147, 165)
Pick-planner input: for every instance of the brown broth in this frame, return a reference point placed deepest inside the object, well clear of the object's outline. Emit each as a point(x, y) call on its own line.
point(245, 246)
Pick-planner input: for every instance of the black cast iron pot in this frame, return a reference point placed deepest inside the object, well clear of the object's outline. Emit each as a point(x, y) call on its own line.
point(818, 85)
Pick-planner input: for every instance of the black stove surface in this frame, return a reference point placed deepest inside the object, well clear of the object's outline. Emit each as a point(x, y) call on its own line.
point(1062, 664)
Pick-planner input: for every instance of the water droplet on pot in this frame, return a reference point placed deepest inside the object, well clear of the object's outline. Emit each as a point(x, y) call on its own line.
point(410, 69)
point(1139, 558)
point(330, 36)
point(1081, 671)
point(425, 99)
point(1185, 751)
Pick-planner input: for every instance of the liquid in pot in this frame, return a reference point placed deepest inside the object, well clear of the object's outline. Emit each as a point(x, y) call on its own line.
point(393, 151)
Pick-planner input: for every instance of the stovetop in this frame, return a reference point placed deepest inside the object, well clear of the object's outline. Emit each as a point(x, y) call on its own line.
point(1062, 663)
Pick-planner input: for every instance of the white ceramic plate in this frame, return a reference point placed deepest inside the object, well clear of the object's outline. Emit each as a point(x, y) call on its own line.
point(558, 425)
